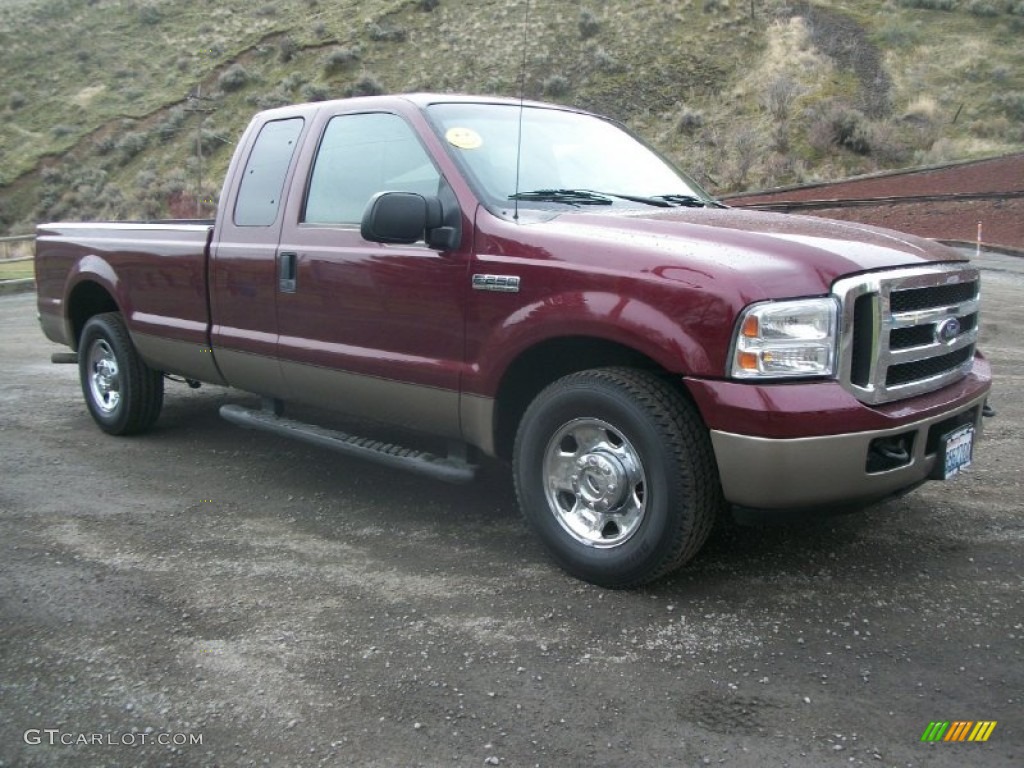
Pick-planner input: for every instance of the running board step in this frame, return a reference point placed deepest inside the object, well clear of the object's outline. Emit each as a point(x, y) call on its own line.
point(454, 469)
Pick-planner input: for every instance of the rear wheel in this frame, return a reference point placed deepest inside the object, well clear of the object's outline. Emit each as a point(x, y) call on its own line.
point(614, 470)
point(123, 394)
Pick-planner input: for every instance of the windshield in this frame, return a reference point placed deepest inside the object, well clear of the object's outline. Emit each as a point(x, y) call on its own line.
point(567, 159)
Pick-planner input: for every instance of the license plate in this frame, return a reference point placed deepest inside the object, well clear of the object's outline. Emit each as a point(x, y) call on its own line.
point(958, 451)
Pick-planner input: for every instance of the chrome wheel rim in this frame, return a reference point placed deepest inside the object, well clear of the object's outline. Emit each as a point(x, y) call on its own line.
point(595, 483)
point(104, 377)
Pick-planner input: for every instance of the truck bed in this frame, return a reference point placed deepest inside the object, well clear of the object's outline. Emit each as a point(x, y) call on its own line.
point(157, 274)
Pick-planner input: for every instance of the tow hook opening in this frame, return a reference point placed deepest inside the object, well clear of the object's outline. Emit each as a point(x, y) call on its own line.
point(886, 453)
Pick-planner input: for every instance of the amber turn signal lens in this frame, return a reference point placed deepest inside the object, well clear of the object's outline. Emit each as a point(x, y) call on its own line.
point(751, 327)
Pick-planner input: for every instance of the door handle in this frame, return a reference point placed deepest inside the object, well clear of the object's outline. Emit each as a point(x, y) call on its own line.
point(286, 269)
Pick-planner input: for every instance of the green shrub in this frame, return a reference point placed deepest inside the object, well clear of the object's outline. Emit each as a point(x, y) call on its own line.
point(588, 24)
point(211, 139)
point(286, 50)
point(131, 144)
point(104, 145)
point(605, 62)
point(930, 5)
point(839, 125)
point(366, 85)
point(556, 85)
point(897, 33)
point(1011, 104)
point(386, 33)
point(982, 8)
point(16, 100)
point(339, 58)
point(168, 128)
point(779, 95)
point(52, 176)
point(274, 99)
point(689, 121)
point(313, 92)
point(233, 78)
point(149, 15)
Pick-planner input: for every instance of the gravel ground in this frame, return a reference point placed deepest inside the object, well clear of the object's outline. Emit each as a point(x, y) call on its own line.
point(289, 607)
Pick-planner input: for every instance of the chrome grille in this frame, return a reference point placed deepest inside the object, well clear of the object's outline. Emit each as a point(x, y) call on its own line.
point(908, 331)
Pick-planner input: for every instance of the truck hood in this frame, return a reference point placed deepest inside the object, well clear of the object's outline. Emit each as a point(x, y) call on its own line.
point(767, 255)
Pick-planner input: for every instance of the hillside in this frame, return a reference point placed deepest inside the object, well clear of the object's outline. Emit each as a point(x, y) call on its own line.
point(98, 121)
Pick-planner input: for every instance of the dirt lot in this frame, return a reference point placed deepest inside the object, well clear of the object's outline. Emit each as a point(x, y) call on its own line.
point(292, 608)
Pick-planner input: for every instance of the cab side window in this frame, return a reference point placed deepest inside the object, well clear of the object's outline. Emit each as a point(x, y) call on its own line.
point(359, 156)
point(259, 194)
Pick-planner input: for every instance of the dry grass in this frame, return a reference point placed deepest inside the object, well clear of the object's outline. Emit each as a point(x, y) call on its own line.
point(643, 61)
point(16, 270)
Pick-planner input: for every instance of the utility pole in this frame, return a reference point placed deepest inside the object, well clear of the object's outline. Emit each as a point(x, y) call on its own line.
point(196, 105)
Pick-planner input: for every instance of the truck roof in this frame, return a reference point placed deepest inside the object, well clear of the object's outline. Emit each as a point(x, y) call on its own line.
point(419, 100)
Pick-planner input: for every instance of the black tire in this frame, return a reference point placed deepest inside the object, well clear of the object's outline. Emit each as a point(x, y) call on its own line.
point(601, 519)
point(123, 394)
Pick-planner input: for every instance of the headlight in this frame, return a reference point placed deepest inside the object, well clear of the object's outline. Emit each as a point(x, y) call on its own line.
point(786, 338)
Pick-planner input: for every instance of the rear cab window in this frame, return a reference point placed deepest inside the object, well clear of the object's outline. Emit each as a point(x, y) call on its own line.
point(262, 185)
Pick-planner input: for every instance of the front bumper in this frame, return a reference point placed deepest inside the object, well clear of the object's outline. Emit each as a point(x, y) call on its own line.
point(802, 460)
point(767, 473)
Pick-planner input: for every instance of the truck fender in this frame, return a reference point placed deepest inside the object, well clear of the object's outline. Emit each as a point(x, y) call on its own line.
point(96, 273)
point(626, 321)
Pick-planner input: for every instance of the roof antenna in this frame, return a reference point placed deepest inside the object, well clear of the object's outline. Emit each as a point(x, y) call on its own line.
point(522, 97)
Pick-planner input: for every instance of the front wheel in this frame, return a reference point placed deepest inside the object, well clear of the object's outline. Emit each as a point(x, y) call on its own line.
point(614, 470)
point(123, 394)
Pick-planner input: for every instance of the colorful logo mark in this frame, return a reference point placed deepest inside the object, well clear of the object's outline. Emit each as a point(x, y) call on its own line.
point(958, 730)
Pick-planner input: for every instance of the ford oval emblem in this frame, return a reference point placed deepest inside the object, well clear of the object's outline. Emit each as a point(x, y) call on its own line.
point(947, 331)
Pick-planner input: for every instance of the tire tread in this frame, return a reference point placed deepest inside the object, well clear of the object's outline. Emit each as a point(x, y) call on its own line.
point(145, 387)
point(684, 436)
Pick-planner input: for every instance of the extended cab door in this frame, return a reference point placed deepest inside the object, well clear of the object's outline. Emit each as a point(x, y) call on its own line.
point(370, 329)
point(243, 270)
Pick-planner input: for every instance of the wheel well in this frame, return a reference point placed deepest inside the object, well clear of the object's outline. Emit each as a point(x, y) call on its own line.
point(546, 363)
point(86, 300)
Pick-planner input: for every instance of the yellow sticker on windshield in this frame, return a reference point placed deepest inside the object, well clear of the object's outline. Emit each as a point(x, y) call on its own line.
point(463, 138)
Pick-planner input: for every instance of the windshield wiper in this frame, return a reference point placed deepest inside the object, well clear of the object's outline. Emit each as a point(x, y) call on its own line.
point(567, 196)
point(593, 197)
point(659, 201)
point(689, 201)
point(641, 199)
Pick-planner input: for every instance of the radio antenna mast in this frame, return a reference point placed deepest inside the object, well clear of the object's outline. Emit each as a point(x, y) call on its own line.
point(522, 98)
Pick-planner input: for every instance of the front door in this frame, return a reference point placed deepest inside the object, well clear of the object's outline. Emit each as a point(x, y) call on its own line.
point(369, 329)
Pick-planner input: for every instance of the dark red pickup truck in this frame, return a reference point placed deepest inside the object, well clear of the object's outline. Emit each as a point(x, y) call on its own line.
point(535, 283)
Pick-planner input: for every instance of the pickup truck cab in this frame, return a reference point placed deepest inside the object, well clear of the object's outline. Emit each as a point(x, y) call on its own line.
point(533, 282)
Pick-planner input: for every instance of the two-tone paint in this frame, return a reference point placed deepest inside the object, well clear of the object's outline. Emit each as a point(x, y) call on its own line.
point(403, 333)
